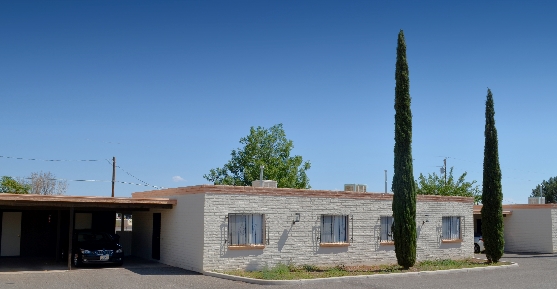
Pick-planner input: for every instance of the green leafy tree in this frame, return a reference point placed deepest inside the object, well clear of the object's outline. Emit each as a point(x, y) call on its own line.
point(436, 185)
point(263, 147)
point(548, 190)
point(10, 185)
point(404, 198)
point(492, 192)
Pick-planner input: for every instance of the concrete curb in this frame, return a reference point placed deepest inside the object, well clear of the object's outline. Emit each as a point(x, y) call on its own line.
point(338, 279)
point(33, 272)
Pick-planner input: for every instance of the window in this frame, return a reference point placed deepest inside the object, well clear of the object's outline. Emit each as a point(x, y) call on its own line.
point(334, 229)
point(451, 228)
point(386, 229)
point(123, 221)
point(246, 229)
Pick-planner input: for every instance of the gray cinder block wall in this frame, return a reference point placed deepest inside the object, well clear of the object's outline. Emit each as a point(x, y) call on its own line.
point(194, 232)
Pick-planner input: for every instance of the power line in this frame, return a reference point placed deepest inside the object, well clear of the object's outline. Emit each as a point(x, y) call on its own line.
point(144, 183)
point(109, 142)
point(480, 164)
point(104, 181)
point(43, 160)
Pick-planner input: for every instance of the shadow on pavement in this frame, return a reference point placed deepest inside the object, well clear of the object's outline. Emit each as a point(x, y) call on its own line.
point(23, 264)
point(528, 255)
point(162, 271)
point(134, 264)
point(146, 267)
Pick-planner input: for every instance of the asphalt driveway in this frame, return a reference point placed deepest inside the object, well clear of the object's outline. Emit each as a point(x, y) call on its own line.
point(534, 271)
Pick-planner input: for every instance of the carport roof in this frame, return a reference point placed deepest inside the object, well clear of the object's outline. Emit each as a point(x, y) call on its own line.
point(29, 200)
point(506, 210)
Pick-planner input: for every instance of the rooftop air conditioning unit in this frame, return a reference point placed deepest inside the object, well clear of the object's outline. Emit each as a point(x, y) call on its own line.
point(264, 184)
point(536, 200)
point(355, 188)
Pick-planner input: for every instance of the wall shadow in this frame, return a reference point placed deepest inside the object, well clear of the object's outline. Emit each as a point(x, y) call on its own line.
point(283, 238)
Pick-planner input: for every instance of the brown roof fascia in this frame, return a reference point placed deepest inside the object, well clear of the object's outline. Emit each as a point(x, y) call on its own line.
point(520, 206)
point(508, 209)
point(530, 206)
point(220, 189)
point(78, 201)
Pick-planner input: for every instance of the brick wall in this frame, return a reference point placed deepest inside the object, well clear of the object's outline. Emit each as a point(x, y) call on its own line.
point(298, 243)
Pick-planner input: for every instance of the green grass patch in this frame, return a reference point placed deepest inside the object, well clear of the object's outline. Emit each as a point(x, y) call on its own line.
point(307, 271)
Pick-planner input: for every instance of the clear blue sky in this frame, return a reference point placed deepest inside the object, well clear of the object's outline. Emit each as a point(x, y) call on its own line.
point(169, 88)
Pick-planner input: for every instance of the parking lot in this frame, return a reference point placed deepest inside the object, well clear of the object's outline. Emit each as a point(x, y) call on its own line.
point(534, 271)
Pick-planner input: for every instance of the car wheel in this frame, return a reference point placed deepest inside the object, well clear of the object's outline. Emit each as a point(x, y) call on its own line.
point(476, 248)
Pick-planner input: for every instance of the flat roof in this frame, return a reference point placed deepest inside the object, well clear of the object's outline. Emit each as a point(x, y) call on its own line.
point(247, 190)
point(508, 209)
point(529, 206)
point(31, 200)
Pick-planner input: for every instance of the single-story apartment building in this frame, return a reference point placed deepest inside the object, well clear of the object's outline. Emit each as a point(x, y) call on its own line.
point(208, 227)
point(216, 228)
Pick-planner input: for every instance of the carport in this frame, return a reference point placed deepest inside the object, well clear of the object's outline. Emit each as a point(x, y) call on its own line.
point(478, 217)
point(42, 226)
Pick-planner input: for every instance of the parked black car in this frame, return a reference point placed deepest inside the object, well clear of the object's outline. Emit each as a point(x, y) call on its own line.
point(92, 247)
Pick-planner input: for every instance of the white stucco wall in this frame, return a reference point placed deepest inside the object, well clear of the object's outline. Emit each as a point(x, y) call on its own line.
point(298, 242)
point(181, 233)
point(83, 221)
point(530, 230)
point(554, 229)
point(126, 242)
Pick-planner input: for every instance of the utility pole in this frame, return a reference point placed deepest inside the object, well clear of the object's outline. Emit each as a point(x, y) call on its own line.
point(385, 181)
point(445, 170)
point(261, 175)
point(113, 174)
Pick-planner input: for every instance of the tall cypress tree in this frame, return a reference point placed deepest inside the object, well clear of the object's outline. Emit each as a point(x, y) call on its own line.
point(492, 192)
point(404, 199)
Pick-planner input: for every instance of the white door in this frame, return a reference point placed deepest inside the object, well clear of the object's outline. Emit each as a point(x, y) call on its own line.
point(83, 221)
point(11, 232)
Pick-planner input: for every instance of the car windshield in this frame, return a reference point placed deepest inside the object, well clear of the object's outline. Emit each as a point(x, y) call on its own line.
point(93, 237)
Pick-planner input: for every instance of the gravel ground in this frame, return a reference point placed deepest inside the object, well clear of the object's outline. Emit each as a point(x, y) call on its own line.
point(534, 271)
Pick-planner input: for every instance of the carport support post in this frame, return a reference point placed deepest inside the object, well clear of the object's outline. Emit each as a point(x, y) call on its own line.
point(70, 249)
point(58, 237)
point(122, 223)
